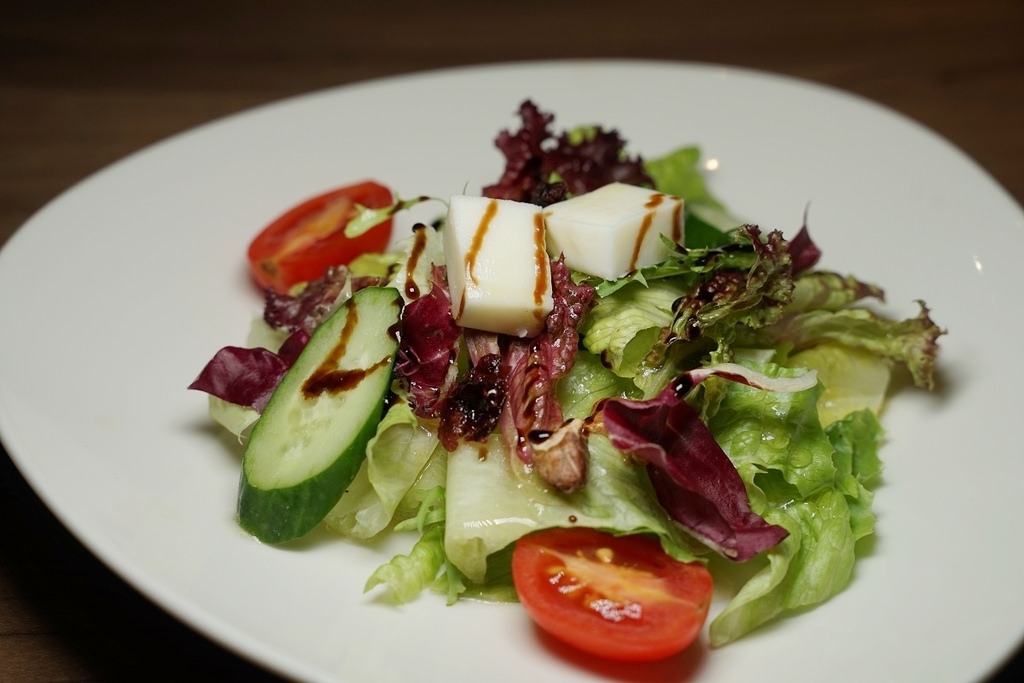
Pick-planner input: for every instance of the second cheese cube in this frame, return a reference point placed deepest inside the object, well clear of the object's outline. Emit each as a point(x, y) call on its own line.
point(614, 229)
point(499, 275)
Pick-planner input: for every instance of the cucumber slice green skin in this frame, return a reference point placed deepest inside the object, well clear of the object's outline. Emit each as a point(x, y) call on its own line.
point(310, 441)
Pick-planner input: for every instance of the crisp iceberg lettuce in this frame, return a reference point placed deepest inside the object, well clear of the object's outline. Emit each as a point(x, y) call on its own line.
point(396, 458)
point(852, 379)
point(492, 501)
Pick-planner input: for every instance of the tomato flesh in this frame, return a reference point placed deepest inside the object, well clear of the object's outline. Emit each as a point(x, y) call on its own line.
point(618, 597)
point(302, 243)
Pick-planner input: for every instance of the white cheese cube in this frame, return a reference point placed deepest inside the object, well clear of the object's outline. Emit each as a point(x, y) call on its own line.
point(499, 275)
point(614, 229)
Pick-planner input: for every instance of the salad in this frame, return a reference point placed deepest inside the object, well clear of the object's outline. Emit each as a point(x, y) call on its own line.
point(588, 388)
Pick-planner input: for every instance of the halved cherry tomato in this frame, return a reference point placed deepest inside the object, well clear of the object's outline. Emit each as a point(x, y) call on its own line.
point(303, 242)
point(618, 597)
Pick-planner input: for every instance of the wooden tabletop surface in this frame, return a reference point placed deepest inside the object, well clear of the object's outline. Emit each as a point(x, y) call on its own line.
point(84, 84)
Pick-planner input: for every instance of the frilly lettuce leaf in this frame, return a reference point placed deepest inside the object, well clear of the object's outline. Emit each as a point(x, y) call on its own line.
point(813, 563)
point(651, 322)
point(407, 575)
point(913, 341)
point(426, 565)
point(829, 291)
point(856, 439)
point(763, 430)
point(622, 328)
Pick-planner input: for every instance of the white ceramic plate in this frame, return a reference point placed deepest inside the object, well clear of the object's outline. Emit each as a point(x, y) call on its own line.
point(115, 295)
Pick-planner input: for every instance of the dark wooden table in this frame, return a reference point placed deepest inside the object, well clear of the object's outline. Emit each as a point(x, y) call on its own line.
point(84, 84)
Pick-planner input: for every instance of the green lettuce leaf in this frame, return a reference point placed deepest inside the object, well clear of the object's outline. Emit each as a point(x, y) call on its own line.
point(406, 576)
point(812, 481)
point(852, 379)
point(621, 328)
point(679, 173)
point(813, 563)
point(235, 418)
point(587, 382)
point(395, 459)
point(492, 501)
point(856, 439)
point(912, 341)
point(764, 430)
point(829, 291)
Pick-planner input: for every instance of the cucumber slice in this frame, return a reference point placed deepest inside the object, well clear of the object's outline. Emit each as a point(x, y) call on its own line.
point(311, 439)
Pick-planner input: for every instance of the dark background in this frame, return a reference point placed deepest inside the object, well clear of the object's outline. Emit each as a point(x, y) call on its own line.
point(83, 84)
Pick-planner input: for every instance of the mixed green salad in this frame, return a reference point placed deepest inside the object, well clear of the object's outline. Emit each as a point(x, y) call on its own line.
point(720, 404)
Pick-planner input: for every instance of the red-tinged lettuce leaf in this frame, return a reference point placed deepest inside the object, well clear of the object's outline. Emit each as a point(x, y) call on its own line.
point(523, 152)
point(753, 294)
point(310, 307)
point(534, 365)
point(695, 480)
point(522, 388)
point(427, 355)
point(315, 302)
point(912, 342)
point(593, 159)
point(534, 156)
point(248, 377)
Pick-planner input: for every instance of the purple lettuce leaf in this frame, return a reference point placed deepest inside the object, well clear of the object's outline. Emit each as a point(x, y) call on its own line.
point(582, 163)
point(248, 377)
point(803, 251)
point(694, 479)
point(595, 160)
point(429, 348)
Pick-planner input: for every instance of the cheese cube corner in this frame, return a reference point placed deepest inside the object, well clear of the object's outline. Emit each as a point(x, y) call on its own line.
point(499, 274)
point(614, 230)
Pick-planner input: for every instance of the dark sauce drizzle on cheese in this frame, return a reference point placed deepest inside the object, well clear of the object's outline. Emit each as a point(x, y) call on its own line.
point(474, 249)
point(653, 203)
point(541, 267)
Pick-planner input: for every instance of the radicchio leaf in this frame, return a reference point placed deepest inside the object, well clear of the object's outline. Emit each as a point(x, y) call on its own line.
point(248, 377)
point(804, 252)
point(693, 477)
point(522, 387)
point(429, 348)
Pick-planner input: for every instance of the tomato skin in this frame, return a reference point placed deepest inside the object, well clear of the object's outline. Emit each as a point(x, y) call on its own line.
point(617, 597)
point(300, 244)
